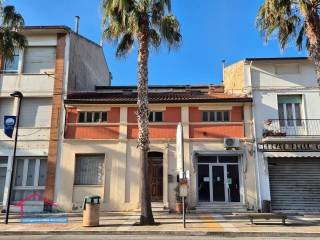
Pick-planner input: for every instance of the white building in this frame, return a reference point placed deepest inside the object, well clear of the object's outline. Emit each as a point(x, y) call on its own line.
point(286, 123)
point(55, 62)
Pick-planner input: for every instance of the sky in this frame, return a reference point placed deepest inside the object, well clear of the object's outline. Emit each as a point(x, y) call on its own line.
point(212, 31)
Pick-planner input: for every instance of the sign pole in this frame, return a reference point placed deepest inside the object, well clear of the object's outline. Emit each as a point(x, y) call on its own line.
point(19, 96)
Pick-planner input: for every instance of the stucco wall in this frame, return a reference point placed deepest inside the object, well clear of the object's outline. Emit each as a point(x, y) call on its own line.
point(88, 66)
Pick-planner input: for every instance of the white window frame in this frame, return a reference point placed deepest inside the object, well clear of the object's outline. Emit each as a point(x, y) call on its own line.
point(25, 173)
point(153, 114)
point(92, 117)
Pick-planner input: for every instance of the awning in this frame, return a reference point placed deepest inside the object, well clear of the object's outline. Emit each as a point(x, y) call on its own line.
point(291, 154)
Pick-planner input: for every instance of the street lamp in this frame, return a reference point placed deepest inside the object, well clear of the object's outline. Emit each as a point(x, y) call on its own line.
point(18, 95)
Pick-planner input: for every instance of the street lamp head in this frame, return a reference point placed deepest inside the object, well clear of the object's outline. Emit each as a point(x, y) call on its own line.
point(17, 94)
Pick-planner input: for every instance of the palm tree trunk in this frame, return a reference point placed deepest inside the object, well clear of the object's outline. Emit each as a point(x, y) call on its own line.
point(146, 217)
point(312, 23)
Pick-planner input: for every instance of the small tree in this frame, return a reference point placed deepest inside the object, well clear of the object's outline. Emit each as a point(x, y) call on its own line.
point(10, 32)
point(296, 20)
point(149, 22)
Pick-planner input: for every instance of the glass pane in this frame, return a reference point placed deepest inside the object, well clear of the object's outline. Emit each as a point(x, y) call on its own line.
point(203, 183)
point(218, 183)
point(297, 108)
point(12, 66)
point(207, 159)
point(43, 170)
point(281, 114)
point(219, 116)
point(205, 117)
point(81, 117)
point(19, 172)
point(89, 170)
point(18, 195)
point(226, 116)
point(228, 159)
point(89, 117)
point(96, 116)
point(31, 172)
point(289, 114)
point(158, 116)
point(212, 116)
point(3, 160)
point(151, 117)
point(104, 117)
point(233, 182)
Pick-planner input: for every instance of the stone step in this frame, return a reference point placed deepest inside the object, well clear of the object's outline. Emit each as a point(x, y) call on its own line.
point(220, 208)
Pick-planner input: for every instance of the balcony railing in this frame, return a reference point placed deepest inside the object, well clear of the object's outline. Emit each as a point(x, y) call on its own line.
point(291, 127)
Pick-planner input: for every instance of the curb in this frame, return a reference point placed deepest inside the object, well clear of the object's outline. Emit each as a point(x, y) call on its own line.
point(163, 233)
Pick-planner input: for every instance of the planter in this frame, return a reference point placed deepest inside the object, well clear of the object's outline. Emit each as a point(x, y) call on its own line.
point(179, 207)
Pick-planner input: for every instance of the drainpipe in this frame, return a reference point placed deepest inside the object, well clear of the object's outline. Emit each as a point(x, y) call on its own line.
point(256, 156)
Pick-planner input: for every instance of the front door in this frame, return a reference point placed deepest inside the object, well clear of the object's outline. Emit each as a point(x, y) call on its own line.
point(3, 172)
point(156, 176)
point(218, 184)
point(219, 180)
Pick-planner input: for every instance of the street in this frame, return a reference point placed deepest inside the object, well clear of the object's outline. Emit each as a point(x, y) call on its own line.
point(140, 237)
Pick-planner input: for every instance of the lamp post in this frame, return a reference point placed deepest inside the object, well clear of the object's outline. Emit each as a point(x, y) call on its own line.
point(18, 95)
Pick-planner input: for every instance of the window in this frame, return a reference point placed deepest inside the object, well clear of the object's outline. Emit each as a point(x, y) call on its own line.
point(30, 177)
point(215, 116)
point(156, 117)
point(36, 112)
point(12, 66)
point(289, 109)
point(92, 117)
point(89, 169)
point(39, 60)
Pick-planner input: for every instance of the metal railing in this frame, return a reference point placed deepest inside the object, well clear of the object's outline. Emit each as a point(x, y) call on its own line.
point(291, 127)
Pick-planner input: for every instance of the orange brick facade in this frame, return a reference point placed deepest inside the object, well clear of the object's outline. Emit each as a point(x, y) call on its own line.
point(163, 130)
point(55, 118)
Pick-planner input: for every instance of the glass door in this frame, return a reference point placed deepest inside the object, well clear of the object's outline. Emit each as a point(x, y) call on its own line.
point(233, 183)
point(218, 183)
point(204, 183)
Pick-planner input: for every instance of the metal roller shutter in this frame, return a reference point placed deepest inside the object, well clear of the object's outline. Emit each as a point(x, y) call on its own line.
point(295, 184)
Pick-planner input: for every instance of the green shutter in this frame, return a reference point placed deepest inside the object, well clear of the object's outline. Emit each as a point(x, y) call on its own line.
point(290, 99)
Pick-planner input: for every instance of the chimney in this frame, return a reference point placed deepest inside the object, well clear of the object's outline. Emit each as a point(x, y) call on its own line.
point(77, 24)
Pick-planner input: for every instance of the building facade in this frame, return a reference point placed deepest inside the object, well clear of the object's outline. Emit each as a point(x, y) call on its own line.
point(55, 62)
point(286, 119)
point(100, 154)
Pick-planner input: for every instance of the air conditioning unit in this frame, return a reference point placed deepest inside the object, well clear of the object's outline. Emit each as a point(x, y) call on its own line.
point(231, 143)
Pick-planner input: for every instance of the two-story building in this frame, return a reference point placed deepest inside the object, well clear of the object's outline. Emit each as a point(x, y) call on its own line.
point(55, 62)
point(100, 154)
point(286, 117)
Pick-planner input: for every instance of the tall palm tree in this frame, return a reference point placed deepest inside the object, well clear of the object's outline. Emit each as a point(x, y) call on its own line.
point(297, 20)
point(148, 22)
point(10, 33)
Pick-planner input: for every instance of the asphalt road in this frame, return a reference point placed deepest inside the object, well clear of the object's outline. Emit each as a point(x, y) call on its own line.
point(136, 237)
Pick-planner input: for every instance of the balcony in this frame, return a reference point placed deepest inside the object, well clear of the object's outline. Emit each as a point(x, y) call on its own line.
point(291, 127)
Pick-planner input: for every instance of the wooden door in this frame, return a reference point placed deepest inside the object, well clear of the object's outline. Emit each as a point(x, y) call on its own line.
point(156, 176)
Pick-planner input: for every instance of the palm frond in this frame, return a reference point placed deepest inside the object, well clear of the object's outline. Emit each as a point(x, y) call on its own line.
point(125, 44)
point(170, 31)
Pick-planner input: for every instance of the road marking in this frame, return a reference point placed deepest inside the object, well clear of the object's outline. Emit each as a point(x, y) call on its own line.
point(209, 222)
point(227, 226)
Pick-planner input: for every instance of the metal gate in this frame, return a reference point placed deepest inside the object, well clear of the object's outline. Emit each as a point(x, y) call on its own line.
point(295, 184)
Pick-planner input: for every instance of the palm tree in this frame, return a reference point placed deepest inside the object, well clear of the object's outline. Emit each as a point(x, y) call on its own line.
point(296, 20)
point(149, 22)
point(10, 33)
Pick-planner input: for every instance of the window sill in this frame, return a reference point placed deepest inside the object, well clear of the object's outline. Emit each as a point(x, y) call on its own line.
point(75, 185)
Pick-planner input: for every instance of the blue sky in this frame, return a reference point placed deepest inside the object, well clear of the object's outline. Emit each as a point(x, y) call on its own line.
point(212, 30)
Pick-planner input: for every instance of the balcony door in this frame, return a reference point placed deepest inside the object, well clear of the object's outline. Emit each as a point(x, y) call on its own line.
point(290, 115)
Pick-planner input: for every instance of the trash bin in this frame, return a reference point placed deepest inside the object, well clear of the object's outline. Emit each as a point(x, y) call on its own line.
point(91, 210)
point(266, 206)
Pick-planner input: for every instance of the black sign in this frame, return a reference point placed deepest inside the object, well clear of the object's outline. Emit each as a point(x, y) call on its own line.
point(289, 147)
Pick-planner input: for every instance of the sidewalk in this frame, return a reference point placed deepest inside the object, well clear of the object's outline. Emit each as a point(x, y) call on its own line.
point(197, 224)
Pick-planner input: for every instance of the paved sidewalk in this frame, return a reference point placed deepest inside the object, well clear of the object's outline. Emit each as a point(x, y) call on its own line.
point(197, 224)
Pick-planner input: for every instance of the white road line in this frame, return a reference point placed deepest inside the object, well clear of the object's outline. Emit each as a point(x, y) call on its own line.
point(227, 226)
